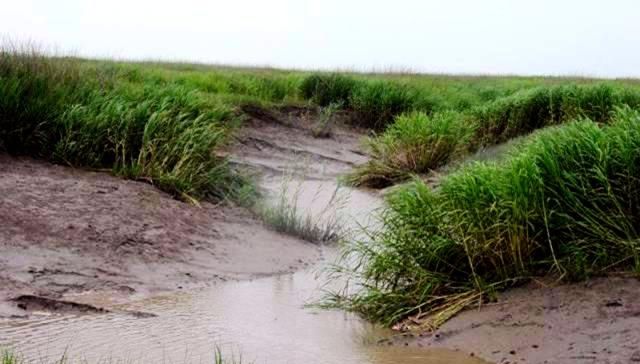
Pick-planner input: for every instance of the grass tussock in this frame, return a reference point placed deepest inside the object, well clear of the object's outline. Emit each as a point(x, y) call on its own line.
point(8, 357)
point(323, 127)
point(94, 116)
point(415, 143)
point(533, 109)
point(566, 202)
point(220, 358)
point(325, 90)
point(285, 215)
point(373, 103)
point(418, 147)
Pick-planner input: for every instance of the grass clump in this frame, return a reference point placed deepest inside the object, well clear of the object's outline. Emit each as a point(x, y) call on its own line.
point(8, 357)
point(327, 89)
point(565, 203)
point(90, 115)
point(377, 103)
point(220, 358)
point(166, 136)
point(285, 216)
point(533, 109)
point(34, 90)
point(414, 143)
point(326, 120)
point(373, 103)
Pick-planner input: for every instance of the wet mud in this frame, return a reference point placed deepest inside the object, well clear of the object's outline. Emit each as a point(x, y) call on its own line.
point(100, 267)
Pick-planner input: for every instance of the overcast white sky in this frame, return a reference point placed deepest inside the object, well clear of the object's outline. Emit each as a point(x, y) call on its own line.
point(577, 37)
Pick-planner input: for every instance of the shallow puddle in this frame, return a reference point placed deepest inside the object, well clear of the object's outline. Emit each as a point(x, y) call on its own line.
point(262, 320)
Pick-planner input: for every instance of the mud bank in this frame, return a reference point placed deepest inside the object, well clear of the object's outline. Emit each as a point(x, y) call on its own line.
point(103, 253)
point(274, 142)
point(71, 234)
point(593, 322)
point(78, 236)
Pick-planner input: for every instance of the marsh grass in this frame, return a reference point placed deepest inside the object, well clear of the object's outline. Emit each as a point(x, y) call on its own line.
point(418, 142)
point(288, 214)
point(529, 110)
point(8, 357)
point(327, 89)
point(565, 203)
point(94, 116)
point(34, 89)
point(415, 143)
point(373, 103)
point(325, 121)
point(169, 124)
point(220, 358)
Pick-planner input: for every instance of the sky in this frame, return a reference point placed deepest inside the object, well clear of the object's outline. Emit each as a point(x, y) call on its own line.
point(530, 37)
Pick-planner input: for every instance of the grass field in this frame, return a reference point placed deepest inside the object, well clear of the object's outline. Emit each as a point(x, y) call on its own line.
point(170, 123)
point(565, 202)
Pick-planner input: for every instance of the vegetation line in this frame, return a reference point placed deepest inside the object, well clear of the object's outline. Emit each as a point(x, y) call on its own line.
point(563, 200)
point(566, 203)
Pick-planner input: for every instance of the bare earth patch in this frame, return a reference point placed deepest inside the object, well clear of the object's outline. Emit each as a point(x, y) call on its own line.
point(593, 322)
point(74, 241)
point(69, 233)
point(275, 142)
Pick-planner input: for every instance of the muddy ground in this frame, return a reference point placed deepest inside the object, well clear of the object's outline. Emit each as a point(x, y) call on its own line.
point(75, 236)
point(280, 142)
point(67, 231)
point(70, 237)
point(590, 322)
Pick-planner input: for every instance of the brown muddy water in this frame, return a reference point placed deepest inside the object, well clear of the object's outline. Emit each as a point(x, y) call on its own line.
point(263, 320)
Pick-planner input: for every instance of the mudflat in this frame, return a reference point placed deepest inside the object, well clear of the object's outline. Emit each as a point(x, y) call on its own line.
point(66, 231)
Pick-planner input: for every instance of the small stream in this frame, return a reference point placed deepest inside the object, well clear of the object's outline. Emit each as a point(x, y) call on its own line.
point(262, 320)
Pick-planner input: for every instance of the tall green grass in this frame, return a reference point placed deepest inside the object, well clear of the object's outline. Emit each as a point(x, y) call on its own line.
point(373, 103)
point(376, 99)
point(566, 202)
point(325, 90)
point(526, 111)
point(415, 143)
point(428, 145)
point(34, 90)
point(89, 115)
